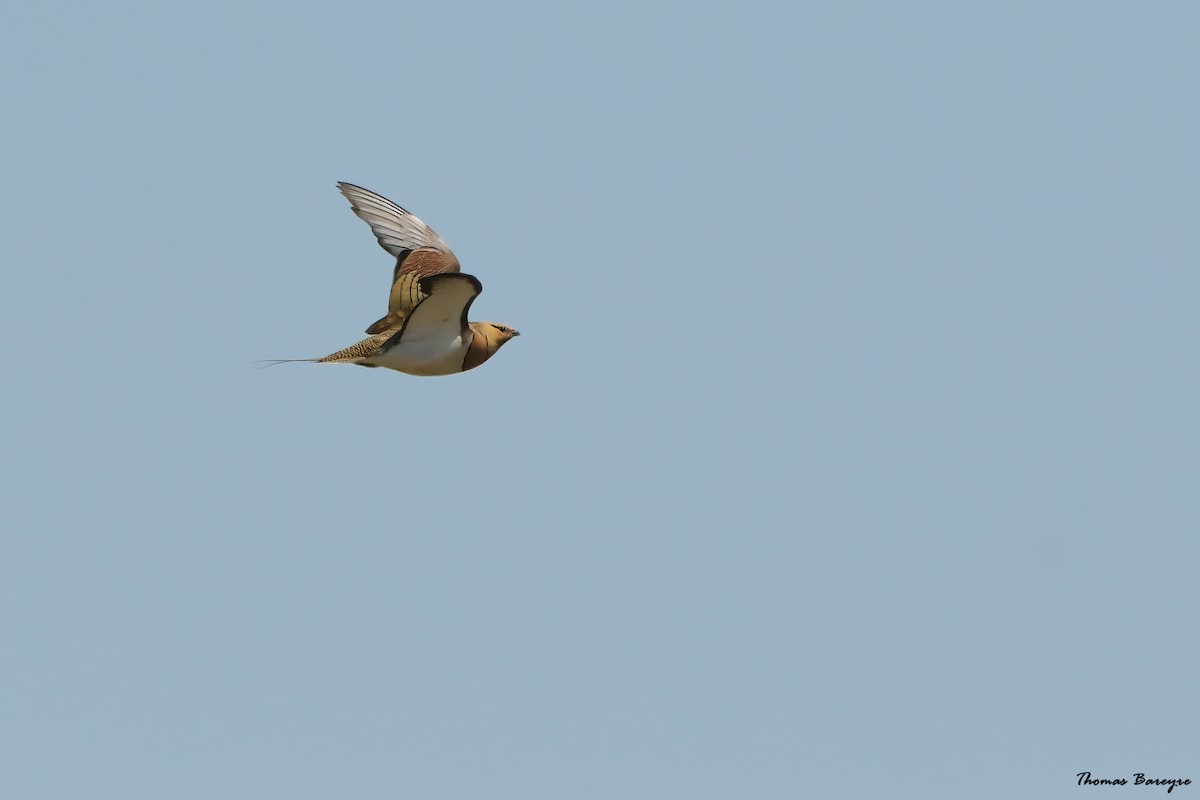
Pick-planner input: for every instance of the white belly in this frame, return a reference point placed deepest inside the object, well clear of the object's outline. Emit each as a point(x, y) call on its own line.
point(427, 356)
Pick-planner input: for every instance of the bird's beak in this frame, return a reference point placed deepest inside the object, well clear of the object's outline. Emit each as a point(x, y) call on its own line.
point(516, 332)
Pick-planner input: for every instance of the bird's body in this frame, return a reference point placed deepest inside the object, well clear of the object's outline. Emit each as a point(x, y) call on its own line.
point(426, 356)
point(425, 331)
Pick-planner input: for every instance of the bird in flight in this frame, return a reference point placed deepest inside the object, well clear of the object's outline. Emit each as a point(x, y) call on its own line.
point(425, 331)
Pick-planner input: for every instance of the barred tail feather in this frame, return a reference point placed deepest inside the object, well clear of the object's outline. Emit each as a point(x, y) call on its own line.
point(354, 354)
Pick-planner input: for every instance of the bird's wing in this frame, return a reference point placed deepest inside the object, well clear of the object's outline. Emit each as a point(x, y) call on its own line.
point(411, 269)
point(418, 250)
point(443, 312)
point(396, 229)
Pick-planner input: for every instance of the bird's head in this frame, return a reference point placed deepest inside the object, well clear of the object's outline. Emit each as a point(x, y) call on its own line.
point(496, 334)
point(487, 338)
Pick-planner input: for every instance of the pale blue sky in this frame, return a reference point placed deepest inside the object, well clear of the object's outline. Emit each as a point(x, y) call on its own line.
point(850, 448)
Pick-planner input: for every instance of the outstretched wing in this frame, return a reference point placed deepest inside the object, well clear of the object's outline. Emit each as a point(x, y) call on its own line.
point(397, 230)
point(419, 251)
point(442, 314)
